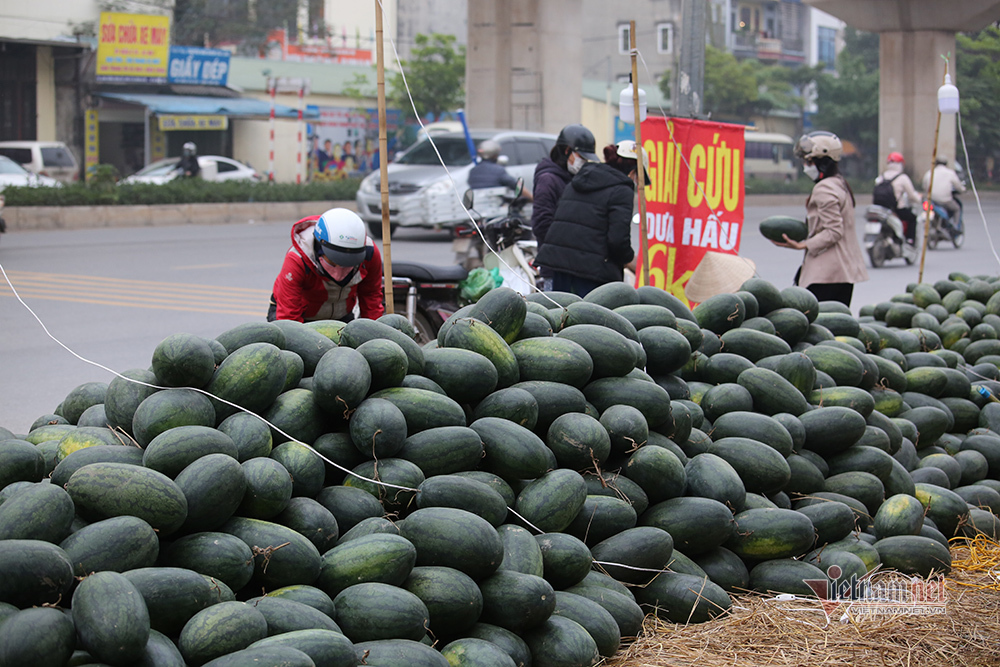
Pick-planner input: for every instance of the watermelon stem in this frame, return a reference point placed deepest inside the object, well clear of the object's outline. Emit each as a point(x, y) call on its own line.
point(266, 553)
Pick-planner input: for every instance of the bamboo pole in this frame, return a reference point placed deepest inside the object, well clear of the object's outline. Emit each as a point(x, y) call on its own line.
point(930, 187)
point(383, 167)
point(639, 167)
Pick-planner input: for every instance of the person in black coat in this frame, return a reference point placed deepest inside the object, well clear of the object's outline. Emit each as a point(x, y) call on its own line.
point(188, 165)
point(574, 146)
point(590, 239)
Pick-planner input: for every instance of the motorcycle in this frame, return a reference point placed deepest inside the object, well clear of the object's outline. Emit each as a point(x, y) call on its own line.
point(884, 238)
point(426, 294)
point(3, 224)
point(942, 227)
point(510, 237)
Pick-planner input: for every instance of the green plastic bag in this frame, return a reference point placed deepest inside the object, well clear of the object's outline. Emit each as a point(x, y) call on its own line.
point(479, 282)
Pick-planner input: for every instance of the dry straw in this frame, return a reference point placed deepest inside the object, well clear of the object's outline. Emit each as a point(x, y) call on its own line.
point(764, 632)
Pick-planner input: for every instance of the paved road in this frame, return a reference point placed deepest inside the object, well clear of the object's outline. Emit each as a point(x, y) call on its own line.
point(110, 295)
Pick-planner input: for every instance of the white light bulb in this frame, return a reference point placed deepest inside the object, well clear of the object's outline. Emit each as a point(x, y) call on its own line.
point(626, 106)
point(948, 100)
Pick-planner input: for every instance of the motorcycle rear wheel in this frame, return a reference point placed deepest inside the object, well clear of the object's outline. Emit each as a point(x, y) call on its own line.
point(426, 324)
point(877, 254)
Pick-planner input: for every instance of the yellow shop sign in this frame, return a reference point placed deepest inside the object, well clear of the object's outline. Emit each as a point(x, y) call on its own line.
point(169, 122)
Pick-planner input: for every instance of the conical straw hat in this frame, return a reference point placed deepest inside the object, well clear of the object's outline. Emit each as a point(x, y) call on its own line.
point(718, 273)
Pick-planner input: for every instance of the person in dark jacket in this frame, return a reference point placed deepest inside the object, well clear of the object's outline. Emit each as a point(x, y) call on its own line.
point(188, 165)
point(487, 173)
point(590, 239)
point(574, 146)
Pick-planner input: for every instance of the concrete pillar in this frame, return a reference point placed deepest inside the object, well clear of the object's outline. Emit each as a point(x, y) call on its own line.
point(45, 94)
point(910, 72)
point(560, 49)
point(523, 64)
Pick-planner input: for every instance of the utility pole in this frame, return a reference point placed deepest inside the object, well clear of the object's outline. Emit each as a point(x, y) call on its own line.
point(689, 82)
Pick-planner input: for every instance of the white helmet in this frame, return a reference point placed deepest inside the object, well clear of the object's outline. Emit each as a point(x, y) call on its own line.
point(489, 150)
point(342, 237)
point(819, 144)
point(627, 149)
point(190, 148)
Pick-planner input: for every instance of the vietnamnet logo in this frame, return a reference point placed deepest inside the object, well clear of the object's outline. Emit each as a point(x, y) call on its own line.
point(879, 594)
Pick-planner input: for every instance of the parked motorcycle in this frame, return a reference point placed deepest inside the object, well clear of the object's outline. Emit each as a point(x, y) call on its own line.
point(510, 237)
point(426, 294)
point(943, 228)
point(884, 239)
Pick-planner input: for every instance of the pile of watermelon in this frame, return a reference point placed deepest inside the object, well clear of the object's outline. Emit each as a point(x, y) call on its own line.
point(520, 491)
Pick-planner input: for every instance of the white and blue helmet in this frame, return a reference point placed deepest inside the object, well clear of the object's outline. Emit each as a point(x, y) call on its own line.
point(341, 236)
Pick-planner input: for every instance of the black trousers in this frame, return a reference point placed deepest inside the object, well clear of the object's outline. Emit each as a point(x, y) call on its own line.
point(841, 292)
point(909, 223)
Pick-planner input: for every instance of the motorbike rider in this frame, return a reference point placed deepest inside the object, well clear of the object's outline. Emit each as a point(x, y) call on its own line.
point(488, 174)
point(904, 195)
point(833, 262)
point(332, 266)
point(188, 165)
point(946, 184)
point(574, 147)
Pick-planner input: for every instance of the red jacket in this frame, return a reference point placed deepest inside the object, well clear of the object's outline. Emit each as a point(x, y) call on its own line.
point(302, 292)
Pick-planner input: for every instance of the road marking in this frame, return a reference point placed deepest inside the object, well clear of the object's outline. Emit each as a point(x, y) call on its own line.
point(146, 294)
point(203, 266)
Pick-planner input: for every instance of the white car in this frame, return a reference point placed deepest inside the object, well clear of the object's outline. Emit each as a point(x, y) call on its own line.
point(214, 168)
point(45, 158)
point(420, 192)
point(11, 173)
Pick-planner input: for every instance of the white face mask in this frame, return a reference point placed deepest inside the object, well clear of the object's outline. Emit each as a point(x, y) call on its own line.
point(575, 163)
point(811, 171)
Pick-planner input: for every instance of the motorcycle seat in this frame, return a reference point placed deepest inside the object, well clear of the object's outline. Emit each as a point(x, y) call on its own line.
point(429, 272)
point(876, 212)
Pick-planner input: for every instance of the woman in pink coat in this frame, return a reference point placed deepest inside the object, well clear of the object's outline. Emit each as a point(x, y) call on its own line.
point(833, 261)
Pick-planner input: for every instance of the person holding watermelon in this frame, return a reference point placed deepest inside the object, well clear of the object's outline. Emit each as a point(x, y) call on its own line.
point(833, 262)
point(331, 267)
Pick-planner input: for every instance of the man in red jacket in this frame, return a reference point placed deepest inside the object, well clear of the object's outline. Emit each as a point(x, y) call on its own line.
point(331, 267)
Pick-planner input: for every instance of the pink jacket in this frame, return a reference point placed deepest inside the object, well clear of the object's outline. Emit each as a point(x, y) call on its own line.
point(833, 254)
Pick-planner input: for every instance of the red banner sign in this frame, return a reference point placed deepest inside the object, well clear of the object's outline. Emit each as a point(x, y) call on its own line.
point(694, 196)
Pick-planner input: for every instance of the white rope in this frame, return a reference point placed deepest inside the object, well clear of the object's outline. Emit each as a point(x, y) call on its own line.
point(200, 391)
point(975, 192)
point(249, 412)
point(454, 186)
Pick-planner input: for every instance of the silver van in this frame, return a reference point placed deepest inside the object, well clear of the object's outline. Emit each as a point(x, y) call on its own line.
point(45, 158)
point(420, 190)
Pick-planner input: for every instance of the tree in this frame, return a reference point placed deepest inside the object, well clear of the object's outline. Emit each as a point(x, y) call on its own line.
point(737, 90)
point(978, 79)
point(730, 85)
point(435, 76)
point(197, 22)
point(847, 104)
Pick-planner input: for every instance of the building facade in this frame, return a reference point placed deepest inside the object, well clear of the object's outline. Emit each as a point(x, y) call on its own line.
point(43, 61)
point(425, 17)
point(769, 30)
